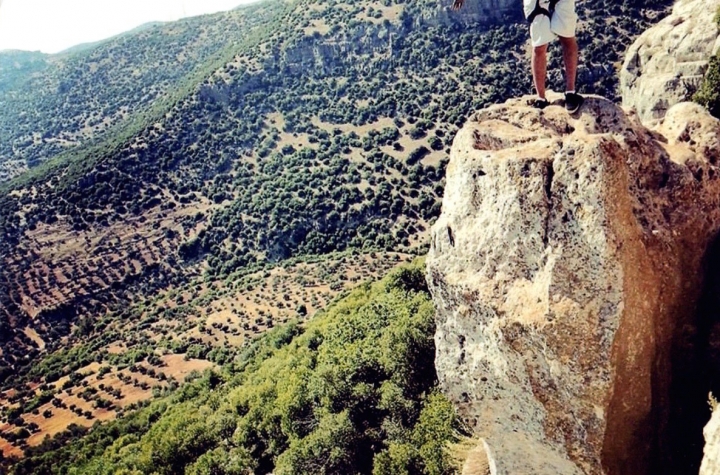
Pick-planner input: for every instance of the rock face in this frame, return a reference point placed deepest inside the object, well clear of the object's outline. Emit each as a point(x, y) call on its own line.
point(666, 64)
point(711, 461)
point(325, 54)
point(482, 12)
point(565, 268)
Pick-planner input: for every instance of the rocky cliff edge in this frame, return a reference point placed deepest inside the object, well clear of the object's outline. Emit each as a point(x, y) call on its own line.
point(565, 267)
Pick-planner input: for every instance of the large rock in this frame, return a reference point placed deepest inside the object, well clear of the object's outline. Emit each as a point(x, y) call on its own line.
point(667, 63)
point(711, 461)
point(565, 266)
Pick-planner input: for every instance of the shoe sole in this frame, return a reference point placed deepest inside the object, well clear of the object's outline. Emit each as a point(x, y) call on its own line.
point(530, 103)
point(575, 109)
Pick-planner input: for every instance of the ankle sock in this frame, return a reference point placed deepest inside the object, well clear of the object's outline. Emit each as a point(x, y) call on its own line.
point(570, 92)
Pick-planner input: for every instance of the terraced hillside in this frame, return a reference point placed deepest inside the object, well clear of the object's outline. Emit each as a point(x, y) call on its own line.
point(322, 129)
point(351, 391)
point(123, 359)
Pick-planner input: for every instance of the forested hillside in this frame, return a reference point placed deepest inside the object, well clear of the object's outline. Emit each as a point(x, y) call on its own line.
point(225, 174)
point(353, 391)
point(51, 104)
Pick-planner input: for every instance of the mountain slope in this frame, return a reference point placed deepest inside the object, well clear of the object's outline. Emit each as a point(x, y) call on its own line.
point(55, 103)
point(326, 130)
point(350, 392)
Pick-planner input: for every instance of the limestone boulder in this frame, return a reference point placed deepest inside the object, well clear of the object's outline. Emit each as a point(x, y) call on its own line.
point(565, 268)
point(666, 64)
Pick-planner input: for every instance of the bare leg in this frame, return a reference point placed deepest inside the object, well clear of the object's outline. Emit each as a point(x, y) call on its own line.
point(570, 58)
point(539, 69)
point(539, 64)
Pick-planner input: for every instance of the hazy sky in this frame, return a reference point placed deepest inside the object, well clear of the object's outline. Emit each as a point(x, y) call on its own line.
point(54, 25)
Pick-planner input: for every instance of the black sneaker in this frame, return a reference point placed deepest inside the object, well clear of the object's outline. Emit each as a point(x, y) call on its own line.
point(573, 102)
point(539, 103)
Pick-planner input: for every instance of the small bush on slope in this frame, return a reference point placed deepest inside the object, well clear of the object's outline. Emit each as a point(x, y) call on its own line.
point(352, 392)
point(709, 93)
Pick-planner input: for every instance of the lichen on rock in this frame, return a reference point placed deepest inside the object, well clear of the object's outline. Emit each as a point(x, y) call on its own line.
point(564, 266)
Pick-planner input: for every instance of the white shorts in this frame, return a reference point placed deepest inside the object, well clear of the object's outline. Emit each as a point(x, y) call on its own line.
point(543, 29)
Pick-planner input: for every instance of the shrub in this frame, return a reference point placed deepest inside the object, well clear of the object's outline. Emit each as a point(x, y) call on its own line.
point(709, 93)
point(354, 391)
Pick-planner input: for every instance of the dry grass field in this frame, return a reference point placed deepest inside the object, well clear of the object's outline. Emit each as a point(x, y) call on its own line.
point(78, 403)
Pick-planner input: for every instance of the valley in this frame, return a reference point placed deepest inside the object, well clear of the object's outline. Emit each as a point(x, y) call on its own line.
point(171, 196)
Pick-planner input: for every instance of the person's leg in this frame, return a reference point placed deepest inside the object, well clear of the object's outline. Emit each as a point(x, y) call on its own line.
point(539, 69)
point(540, 35)
point(570, 58)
